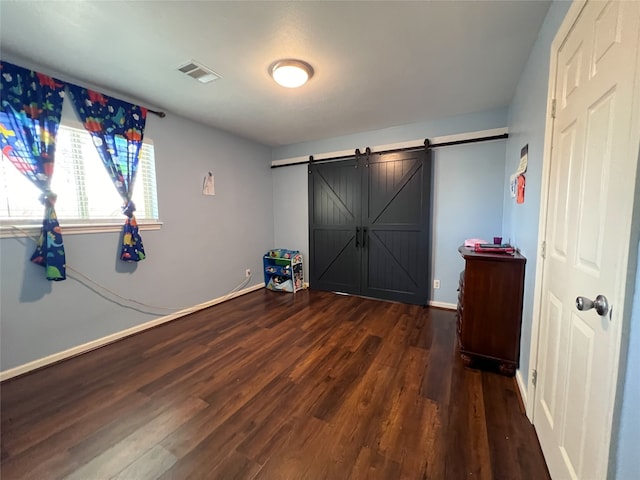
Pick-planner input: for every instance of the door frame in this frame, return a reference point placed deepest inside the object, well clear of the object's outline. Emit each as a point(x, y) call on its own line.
point(625, 281)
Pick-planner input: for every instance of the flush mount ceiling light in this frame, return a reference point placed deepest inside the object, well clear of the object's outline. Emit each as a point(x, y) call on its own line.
point(291, 73)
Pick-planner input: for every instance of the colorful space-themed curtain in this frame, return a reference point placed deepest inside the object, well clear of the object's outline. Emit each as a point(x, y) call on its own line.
point(29, 120)
point(117, 128)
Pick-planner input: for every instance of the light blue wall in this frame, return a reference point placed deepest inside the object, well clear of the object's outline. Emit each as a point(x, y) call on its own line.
point(526, 126)
point(626, 432)
point(200, 253)
point(291, 211)
point(467, 204)
point(467, 198)
point(446, 126)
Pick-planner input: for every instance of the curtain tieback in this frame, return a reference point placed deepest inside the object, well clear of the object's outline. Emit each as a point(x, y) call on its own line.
point(48, 198)
point(128, 209)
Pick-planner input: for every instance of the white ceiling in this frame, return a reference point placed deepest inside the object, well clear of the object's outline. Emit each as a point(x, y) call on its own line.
point(377, 64)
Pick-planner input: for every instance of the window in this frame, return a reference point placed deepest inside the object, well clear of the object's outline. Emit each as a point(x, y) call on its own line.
point(86, 195)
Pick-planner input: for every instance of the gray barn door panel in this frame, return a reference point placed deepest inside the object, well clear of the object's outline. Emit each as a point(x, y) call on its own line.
point(396, 216)
point(334, 215)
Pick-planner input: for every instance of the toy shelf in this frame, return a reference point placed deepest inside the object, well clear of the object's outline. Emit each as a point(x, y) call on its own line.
point(283, 270)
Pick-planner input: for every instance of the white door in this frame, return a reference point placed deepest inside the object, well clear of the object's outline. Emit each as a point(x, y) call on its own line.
point(592, 171)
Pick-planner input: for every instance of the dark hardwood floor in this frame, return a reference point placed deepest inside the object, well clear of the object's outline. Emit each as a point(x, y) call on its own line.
point(272, 386)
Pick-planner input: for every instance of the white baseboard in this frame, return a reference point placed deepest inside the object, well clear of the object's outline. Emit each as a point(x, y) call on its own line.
point(448, 306)
point(100, 342)
point(522, 387)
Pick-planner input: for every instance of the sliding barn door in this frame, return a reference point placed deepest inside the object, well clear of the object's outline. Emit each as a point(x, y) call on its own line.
point(369, 224)
point(334, 215)
point(396, 218)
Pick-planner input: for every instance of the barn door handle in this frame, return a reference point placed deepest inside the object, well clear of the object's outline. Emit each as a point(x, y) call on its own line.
point(364, 236)
point(357, 233)
point(601, 304)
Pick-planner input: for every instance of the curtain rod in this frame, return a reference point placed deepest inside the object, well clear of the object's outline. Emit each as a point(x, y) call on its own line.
point(159, 113)
point(427, 145)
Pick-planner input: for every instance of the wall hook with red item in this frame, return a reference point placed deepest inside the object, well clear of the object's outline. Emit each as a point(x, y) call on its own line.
point(520, 189)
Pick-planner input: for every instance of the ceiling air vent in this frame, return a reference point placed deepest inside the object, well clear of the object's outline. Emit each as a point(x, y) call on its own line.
point(199, 72)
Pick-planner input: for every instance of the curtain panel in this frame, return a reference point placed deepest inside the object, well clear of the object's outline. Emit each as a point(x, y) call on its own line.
point(30, 114)
point(117, 129)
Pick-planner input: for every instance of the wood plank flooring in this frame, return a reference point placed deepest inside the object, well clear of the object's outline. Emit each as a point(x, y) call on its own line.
point(272, 386)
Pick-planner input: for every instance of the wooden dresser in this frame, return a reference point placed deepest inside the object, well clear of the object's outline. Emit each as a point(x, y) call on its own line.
point(490, 308)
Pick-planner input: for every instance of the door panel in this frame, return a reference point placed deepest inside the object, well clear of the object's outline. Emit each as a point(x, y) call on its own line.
point(595, 183)
point(396, 215)
point(560, 194)
point(387, 177)
point(335, 264)
point(588, 231)
point(403, 206)
point(393, 272)
point(334, 214)
point(550, 339)
point(578, 388)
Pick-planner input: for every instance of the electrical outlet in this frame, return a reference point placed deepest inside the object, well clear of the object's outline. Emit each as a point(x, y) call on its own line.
point(436, 284)
point(247, 273)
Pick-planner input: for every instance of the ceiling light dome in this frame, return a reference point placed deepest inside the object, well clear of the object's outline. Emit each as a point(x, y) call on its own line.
point(291, 73)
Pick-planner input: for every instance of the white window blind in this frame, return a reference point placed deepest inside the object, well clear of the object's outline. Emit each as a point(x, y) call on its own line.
point(85, 191)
